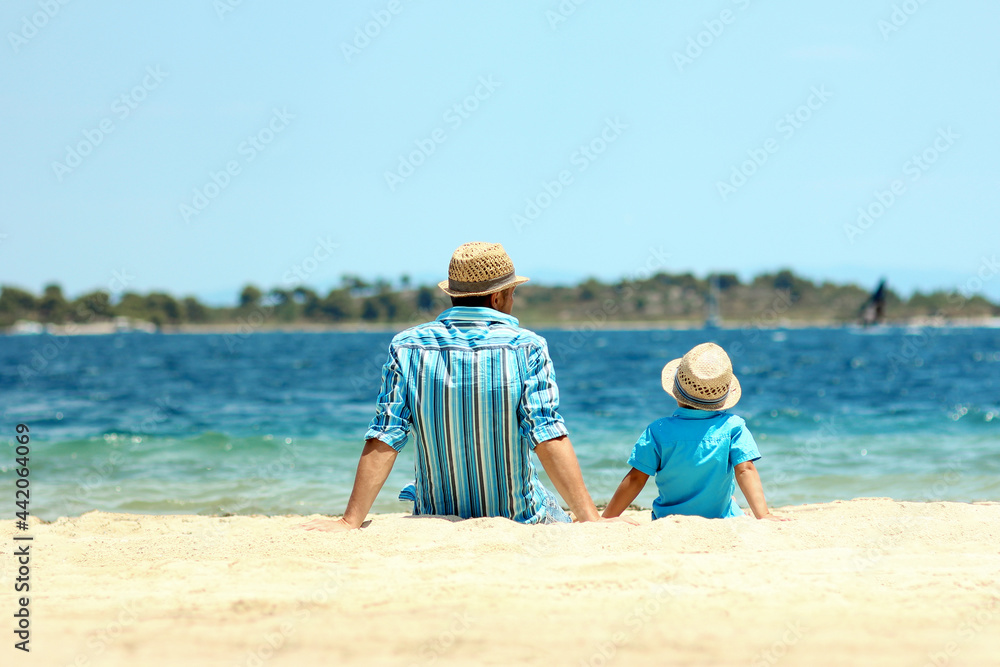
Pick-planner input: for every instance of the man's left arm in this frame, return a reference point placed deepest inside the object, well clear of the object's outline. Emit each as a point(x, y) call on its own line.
point(561, 465)
point(542, 424)
point(563, 468)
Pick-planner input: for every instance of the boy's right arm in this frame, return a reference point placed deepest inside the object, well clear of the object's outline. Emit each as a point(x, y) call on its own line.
point(630, 486)
point(749, 480)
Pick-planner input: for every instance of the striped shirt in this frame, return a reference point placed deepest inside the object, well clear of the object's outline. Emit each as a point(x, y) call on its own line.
point(479, 393)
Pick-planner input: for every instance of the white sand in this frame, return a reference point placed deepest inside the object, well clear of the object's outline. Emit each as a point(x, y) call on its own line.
point(870, 581)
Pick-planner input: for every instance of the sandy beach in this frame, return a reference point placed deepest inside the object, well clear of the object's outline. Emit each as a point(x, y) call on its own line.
point(868, 581)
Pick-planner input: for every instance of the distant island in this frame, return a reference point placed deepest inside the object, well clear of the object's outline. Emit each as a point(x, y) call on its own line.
point(661, 300)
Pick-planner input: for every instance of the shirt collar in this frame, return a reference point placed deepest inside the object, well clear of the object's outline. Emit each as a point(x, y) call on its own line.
point(691, 413)
point(476, 314)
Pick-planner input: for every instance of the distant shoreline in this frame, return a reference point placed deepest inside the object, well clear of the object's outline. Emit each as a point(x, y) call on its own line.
point(234, 328)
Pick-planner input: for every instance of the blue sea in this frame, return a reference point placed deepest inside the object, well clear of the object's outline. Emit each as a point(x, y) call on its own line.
point(272, 423)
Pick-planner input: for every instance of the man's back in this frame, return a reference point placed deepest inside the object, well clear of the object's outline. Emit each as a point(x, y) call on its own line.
point(480, 393)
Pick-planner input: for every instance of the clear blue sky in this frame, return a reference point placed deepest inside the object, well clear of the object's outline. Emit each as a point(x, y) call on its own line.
point(665, 123)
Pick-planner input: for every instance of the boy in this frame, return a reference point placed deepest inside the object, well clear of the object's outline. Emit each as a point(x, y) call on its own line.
point(701, 452)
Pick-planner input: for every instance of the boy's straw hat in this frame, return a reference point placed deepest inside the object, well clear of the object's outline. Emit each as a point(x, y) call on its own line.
point(702, 379)
point(478, 269)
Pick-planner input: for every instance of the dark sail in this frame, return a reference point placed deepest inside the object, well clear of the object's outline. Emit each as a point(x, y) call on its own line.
point(873, 310)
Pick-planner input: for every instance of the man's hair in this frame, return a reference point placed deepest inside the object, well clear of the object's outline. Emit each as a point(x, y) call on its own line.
point(482, 301)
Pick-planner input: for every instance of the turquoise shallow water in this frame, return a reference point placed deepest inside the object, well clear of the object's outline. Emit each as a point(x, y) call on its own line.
point(272, 423)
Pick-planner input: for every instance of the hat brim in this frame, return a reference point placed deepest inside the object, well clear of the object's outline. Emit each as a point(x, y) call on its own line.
point(667, 380)
point(512, 282)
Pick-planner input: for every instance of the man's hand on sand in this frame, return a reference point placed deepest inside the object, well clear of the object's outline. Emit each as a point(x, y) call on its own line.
point(771, 517)
point(327, 525)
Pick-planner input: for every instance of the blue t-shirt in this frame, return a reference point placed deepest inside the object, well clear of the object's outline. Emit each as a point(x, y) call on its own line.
point(692, 455)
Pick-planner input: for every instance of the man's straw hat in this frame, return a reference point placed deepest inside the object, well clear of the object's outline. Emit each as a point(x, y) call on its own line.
point(478, 269)
point(703, 379)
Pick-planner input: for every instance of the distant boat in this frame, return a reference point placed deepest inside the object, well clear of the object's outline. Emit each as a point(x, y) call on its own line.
point(26, 328)
point(127, 325)
point(873, 310)
point(712, 319)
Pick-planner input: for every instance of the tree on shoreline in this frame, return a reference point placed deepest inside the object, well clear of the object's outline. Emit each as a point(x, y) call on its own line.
point(661, 298)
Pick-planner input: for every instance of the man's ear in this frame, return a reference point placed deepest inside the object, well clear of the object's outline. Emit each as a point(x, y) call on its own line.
point(496, 300)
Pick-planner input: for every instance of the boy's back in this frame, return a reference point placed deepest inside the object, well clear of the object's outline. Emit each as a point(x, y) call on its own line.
point(700, 453)
point(692, 455)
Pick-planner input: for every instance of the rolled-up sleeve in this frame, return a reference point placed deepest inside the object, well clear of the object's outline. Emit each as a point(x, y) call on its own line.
point(742, 447)
point(538, 410)
point(645, 454)
point(391, 423)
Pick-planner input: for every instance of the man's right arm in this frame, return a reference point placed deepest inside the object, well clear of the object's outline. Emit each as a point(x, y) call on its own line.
point(373, 469)
point(386, 435)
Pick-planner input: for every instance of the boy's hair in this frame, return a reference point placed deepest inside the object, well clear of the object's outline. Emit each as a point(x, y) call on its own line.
point(481, 301)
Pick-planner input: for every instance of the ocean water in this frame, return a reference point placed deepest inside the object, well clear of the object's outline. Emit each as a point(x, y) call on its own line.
point(272, 423)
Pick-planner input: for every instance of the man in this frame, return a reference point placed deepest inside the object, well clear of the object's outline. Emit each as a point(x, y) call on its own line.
point(479, 393)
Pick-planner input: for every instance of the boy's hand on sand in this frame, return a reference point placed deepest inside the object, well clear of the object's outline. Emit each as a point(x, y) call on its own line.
point(771, 517)
point(327, 525)
point(622, 519)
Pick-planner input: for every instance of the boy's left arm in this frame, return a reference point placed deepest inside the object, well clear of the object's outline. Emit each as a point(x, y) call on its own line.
point(749, 480)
